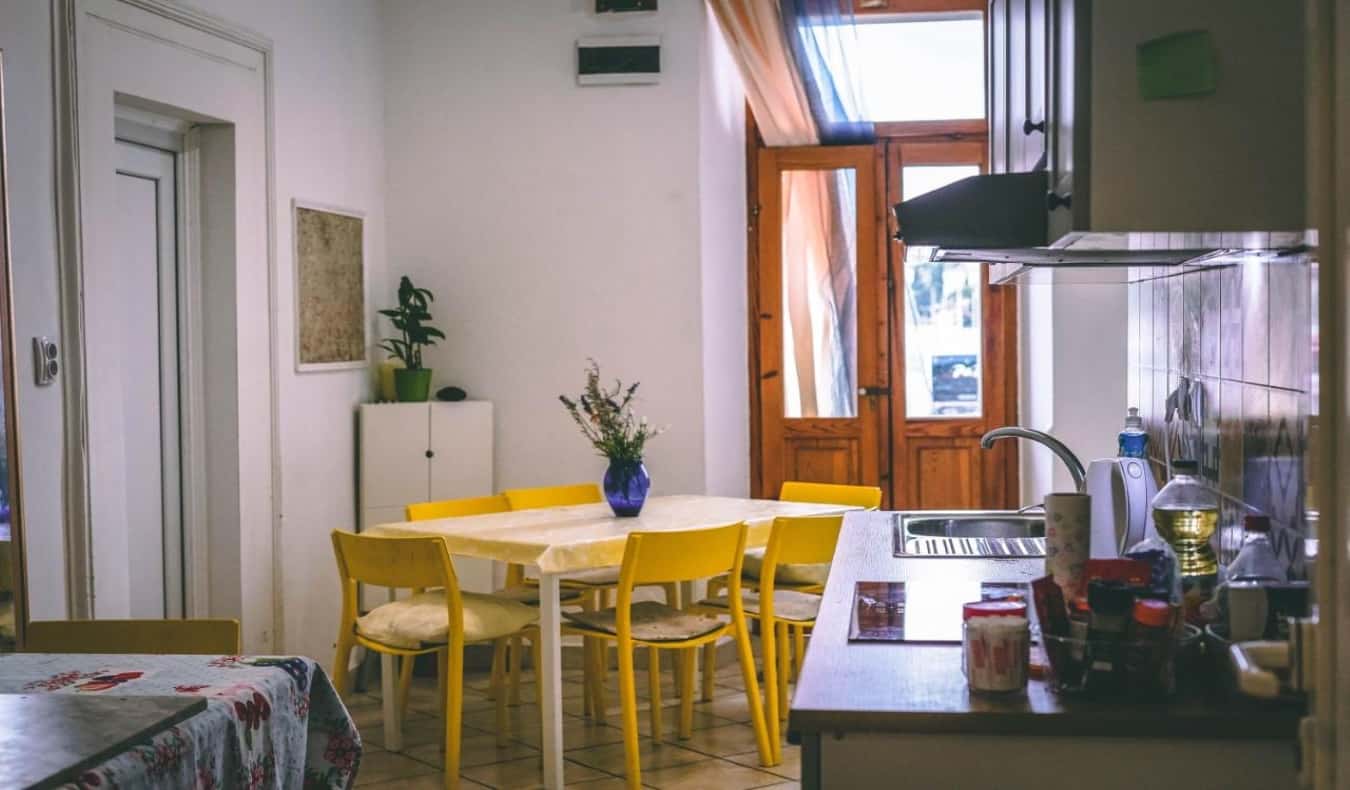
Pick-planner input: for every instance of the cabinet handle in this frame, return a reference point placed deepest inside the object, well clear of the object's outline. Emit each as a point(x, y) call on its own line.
point(430, 454)
point(1028, 127)
point(1055, 201)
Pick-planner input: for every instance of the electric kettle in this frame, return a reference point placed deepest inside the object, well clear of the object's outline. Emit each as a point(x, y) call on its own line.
point(1122, 490)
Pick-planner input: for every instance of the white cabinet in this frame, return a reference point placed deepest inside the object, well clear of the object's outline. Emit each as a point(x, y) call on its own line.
point(419, 452)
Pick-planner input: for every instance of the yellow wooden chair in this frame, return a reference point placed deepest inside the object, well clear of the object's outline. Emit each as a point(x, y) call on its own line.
point(792, 539)
point(437, 618)
point(182, 637)
point(673, 557)
point(595, 586)
point(515, 589)
point(809, 577)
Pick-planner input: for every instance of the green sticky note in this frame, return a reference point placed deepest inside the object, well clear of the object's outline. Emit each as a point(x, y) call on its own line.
point(1179, 64)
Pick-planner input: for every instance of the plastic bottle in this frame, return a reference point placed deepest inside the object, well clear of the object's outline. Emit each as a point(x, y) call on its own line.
point(1132, 442)
point(1165, 576)
point(1186, 513)
point(1256, 561)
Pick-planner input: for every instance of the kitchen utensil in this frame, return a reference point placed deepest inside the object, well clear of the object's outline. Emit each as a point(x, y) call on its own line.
point(1121, 490)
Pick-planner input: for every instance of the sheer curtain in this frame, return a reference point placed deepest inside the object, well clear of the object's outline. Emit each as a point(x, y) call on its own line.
point(793, 56)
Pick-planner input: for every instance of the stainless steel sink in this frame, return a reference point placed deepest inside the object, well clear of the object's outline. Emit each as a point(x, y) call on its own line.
point(970, 533)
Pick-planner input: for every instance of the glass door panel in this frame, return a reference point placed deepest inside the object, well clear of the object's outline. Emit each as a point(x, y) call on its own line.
point(819, 260)
point(943, 327)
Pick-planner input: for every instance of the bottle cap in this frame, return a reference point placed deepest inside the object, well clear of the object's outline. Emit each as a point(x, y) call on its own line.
point(1255, 522)
point(1004, 608)
point(1185, 467)
point(1132, 418)
point(1155, 614)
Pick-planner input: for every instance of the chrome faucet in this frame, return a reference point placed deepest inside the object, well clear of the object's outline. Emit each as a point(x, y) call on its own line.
point(1056, 446)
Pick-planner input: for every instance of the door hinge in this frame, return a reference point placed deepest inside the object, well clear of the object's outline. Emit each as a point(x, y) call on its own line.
point(869, 392)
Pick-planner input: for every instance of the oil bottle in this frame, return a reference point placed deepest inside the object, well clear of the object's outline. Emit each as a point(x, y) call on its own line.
point(1186, 514)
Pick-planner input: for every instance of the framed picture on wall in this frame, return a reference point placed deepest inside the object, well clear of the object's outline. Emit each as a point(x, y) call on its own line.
point(330, 287)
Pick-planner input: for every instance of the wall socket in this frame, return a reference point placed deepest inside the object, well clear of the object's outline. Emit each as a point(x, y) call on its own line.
point(46, 361)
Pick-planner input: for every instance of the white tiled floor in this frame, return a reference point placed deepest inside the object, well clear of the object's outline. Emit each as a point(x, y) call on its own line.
point(720, 754)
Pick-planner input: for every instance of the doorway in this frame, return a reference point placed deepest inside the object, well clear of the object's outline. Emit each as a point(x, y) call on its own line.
point(872, 364)
point(148, 425)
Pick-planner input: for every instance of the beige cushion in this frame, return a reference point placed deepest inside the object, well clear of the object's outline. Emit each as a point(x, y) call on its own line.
point(423, 619)
point(786, 573)
point(799, 607)
point(599, 577)
point(652, 622)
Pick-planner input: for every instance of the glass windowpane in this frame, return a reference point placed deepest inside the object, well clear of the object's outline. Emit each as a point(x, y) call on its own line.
point(921, 69)
point(943, 328)
point(819, 273)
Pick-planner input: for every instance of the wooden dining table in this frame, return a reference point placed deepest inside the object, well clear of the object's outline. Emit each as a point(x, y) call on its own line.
point(559, 541)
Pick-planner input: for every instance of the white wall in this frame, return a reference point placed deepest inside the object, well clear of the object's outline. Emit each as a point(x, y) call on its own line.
point(1073, 377)
point(556, 223)
point(329, 147)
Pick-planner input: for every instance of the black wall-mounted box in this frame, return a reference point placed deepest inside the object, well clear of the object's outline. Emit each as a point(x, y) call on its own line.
point(623, 6)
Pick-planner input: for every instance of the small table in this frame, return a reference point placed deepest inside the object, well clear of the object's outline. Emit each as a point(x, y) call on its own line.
point(237, 721)
point(565, 540)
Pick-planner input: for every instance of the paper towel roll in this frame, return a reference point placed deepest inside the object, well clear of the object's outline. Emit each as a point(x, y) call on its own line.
point(1068, 537)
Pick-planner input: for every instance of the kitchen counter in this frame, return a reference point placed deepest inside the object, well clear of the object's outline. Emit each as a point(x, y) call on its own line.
point(860, 707)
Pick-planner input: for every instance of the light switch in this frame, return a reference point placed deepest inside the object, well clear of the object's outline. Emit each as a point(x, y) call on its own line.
point(46, 360)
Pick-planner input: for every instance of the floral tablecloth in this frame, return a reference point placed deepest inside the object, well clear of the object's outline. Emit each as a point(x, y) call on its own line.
point(269, 721)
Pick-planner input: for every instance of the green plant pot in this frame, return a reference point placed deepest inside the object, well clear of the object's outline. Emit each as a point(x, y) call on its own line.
point(412, 386)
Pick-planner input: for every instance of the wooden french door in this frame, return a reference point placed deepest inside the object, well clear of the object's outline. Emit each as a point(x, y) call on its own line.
point(818, 317)
point(869, 364)
point(954, 358)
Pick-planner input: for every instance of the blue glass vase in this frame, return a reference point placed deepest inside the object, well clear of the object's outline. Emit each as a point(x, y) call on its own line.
point(626, 486)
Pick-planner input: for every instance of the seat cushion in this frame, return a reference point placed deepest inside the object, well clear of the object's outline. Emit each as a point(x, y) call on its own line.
point(797, 607)
point(804, 574)
point(652, 622)
point(599, 577)
point(423, 619)
point(528, 594)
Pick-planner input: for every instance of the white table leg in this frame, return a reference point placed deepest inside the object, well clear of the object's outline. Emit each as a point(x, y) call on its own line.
point(550, 679)
point(393, 729)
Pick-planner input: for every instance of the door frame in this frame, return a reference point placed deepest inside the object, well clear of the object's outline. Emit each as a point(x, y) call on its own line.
point(242, 492)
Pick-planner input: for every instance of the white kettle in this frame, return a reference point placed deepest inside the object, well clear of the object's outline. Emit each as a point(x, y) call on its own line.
point(1122, 491)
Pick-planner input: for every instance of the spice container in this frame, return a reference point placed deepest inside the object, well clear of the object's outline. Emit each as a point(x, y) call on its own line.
point(996, 644)
point(1109, 604)
point(1148, 665)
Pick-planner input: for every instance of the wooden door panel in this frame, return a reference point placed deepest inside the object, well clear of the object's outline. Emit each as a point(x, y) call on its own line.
point(946, 474)
point(792, 442)
point(836, 460)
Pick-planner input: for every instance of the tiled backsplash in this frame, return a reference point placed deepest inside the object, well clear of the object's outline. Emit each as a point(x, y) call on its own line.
point(1234, 345)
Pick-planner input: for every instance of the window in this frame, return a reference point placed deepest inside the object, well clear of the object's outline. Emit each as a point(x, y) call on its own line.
point(943, 333)
point(918, 67)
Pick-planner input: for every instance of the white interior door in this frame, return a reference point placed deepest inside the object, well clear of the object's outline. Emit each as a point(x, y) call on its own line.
point(147, 388)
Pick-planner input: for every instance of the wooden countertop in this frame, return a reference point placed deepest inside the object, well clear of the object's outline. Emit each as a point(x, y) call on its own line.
point(919, 688)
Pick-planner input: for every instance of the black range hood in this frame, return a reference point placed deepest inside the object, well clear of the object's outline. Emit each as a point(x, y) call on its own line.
point(1001, 220)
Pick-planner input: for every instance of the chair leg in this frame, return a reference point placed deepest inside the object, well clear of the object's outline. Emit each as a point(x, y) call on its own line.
point(798, 650)
point(746, 656)
point(497, 681)
point(688, 661)
point(588, 602)
point(537, 660)
point(654, 688)
point(709, 669)
point(405, 672)
point(628, 706)
point(517, 647)
point(343, 659)
point(595, 687)
point(393, 732)
point(500, 702)
point(442, 691)
point(454, 712)
point(771, 647)
point(781, 636)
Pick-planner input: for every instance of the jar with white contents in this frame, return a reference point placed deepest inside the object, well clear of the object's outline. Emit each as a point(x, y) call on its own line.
point(996, 646)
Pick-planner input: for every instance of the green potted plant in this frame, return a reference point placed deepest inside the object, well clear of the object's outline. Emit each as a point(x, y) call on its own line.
point(412, 382)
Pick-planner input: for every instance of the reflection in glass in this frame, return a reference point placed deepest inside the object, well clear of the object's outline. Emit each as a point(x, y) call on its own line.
point(943, 333)
point(819, 272)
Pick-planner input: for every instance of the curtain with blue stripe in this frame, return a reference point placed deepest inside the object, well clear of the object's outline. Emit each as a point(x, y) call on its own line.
point(822, 36)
